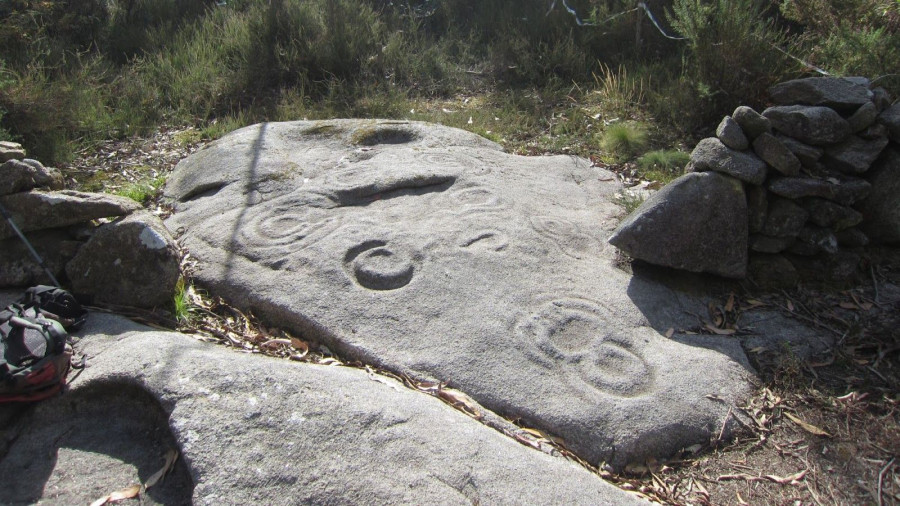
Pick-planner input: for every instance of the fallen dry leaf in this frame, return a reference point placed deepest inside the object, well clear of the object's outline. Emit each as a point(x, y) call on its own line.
point(793, 479)
point(717, 330)
point(119, 495)
point(171, 457)
point(276, 342)
point(812, 429)
point(459, 400)
point(729, 306)
point(670, 332)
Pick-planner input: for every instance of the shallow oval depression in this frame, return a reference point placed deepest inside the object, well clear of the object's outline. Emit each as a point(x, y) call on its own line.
point(383, 135)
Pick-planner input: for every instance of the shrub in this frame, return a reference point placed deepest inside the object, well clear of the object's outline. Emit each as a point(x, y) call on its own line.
point(624, 140)
point(731, 58)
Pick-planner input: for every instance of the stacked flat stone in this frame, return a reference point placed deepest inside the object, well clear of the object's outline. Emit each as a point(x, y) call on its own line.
point(815, 177)
point(132, 261)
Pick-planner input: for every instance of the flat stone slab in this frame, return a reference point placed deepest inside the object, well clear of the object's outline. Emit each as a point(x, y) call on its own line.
point(45, 210)
point(256, 430)
point(429, 251)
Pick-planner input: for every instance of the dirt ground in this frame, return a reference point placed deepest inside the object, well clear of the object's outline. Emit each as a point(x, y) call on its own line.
point(820, 430)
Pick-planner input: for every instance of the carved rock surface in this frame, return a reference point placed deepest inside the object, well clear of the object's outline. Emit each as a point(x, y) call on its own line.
point(837, 93)
point(697, 223)
point(429, 251)
point(44, 210)
point(813, 125)
point(130, 262)
point(257, 430)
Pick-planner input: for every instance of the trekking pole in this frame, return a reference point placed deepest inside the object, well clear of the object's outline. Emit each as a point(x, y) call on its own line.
point(34, 253)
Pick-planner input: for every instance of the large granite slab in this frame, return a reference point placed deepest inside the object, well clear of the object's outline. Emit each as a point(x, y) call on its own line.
point(257, 430)
point(429, 251)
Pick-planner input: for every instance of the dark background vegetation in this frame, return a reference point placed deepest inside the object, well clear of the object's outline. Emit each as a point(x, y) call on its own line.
point(73, 72)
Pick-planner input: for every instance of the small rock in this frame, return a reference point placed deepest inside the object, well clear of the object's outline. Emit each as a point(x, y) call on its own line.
point(826, 213)
point(851, 190)
point(772, 271)
point(20, 175)
point(757, 207)
point(785, 218)
point(876, 131)
point(768, 244)
point(695, 223)
point(130, 262)
point(852, 238)
point(813, 125)
point(731, 135)
point(881, 209)
point(863, 81)
point(751, 122)
point(833, 92)
point(890, 118)
point(808, 155)
point(863, 117)
point(821, 238)
point(711, 155)
point(844, 191)
point(44, 210)
point(776, 154)
point(881, 98)
point(855, 155)
point(11, 151)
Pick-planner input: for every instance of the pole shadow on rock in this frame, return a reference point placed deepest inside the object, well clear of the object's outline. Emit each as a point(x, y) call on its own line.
point(253, 169)
point(88, 443)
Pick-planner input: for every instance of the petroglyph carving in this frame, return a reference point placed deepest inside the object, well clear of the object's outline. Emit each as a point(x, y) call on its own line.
point(377, 266)
point(578, 337)
point(566, 235)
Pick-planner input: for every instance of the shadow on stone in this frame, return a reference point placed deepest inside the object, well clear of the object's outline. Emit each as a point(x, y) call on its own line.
point(88, 443)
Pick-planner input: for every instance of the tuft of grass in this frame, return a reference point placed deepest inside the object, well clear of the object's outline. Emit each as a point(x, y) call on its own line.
point(629, 200)
point(182, 301)
point(143, 192)
point(662, 165)
point(619, 93)
point(624, 140)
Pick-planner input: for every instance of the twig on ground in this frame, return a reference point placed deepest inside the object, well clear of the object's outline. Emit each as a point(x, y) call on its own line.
point(881, 481)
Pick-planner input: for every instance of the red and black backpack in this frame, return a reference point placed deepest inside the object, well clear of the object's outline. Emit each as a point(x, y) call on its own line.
point(36, 354)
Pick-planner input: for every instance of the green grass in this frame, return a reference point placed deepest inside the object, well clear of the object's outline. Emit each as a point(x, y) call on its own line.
point(182, 301)
point(143, 192)
point(630, 201)
point(624, 140)
point(73, 75)
point(662, 165)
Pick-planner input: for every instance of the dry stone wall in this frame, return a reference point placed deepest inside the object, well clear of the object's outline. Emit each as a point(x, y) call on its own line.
point(107, 248)
point(819, 172)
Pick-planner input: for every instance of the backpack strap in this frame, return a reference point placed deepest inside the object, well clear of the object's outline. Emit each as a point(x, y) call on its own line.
point(56, 304)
